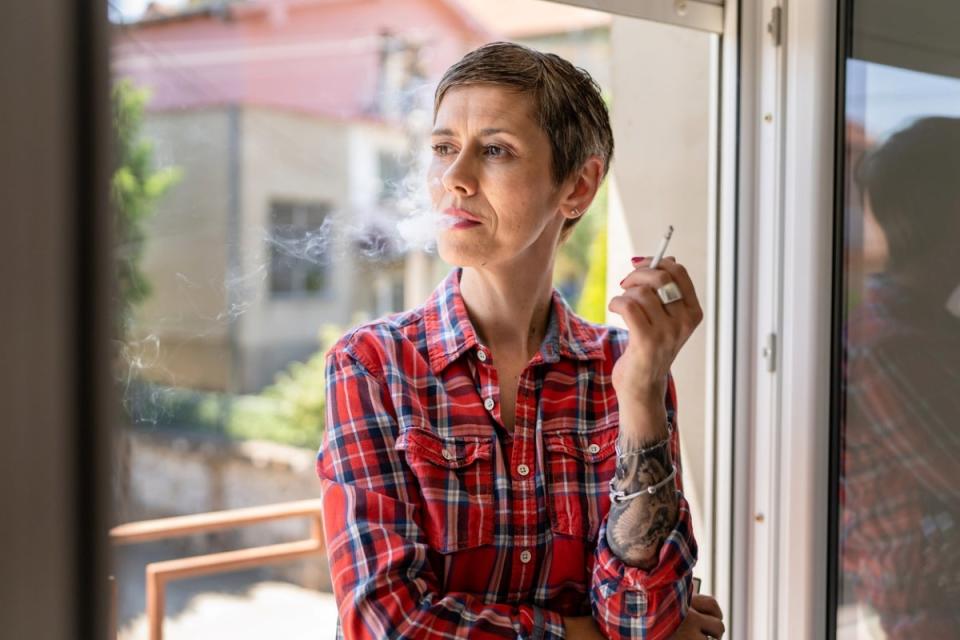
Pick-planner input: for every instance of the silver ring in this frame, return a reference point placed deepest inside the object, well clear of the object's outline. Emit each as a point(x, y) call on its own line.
point(669, 292)
point(711, 638)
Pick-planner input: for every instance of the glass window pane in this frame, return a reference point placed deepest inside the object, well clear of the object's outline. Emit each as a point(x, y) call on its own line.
point(899, 497)
point(273, 196)
point(270, 197)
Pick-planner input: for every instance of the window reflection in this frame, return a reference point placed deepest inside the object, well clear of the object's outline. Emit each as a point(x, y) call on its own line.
point(899, 539)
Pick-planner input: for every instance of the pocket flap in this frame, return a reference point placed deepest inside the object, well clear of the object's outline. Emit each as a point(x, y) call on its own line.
point(591, 447)
point(451, 453)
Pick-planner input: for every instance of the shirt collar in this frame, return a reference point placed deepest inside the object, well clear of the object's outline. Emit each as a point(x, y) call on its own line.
point(450, 332)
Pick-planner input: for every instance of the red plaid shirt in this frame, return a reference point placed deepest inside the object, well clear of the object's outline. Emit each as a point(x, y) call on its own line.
point(441, 524)
point(900, 538)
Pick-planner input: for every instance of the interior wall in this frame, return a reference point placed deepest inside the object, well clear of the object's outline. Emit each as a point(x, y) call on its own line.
point(661, 176)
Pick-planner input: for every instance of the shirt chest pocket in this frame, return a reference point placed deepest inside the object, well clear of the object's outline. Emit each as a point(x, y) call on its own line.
point(578, 467)
point(456, 479)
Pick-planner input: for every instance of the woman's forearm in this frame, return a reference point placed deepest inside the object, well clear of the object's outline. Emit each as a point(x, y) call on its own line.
point(637, 528)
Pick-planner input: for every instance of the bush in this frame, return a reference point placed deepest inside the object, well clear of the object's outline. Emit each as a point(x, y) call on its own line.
point(290, 411)
point(299, 397)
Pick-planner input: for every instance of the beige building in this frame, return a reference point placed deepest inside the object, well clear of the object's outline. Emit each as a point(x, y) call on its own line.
point(263, 241)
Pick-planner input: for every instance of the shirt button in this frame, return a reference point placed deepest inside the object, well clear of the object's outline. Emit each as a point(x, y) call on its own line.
point(446, 454)
point(488, 404)
point(481, 355)
point(594, 448)
point(525, 556)
point(523, 469)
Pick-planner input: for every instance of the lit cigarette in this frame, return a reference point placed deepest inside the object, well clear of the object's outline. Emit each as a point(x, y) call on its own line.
point(663, 247)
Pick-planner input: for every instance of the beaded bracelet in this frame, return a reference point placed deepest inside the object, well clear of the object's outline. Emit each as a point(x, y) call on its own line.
point(618, 496)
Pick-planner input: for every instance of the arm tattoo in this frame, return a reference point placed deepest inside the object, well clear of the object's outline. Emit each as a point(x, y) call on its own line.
point(636, 528)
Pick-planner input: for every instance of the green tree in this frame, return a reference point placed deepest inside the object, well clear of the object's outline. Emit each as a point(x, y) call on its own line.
point(136, 187)
point(592, 303)
point(581, 265)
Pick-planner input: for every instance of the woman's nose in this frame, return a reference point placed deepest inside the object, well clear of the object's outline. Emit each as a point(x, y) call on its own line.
point(459, 178)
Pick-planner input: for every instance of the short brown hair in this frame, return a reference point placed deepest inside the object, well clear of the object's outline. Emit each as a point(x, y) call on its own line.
point(567, 101)
point(912, 183)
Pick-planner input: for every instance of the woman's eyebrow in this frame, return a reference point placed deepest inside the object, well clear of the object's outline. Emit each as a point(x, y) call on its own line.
point(483, 132)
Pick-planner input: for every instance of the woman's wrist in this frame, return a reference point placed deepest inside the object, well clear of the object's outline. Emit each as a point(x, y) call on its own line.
point(643, 419)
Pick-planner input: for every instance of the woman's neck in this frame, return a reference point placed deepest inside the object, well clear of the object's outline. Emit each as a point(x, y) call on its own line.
point(509, 307)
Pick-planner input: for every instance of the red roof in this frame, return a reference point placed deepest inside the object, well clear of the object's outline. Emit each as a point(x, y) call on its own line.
point(315, 56)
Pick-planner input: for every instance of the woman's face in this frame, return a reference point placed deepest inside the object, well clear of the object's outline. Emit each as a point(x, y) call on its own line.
point(490, 179)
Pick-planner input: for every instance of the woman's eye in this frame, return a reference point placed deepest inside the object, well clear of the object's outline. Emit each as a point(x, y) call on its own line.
point(440, 149)
point(494, 151)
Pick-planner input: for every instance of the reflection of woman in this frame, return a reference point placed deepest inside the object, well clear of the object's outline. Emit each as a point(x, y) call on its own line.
point(901, 527)
point(470, 441)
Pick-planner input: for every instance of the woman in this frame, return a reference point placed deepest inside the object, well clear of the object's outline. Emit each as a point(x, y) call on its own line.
point(471, 441)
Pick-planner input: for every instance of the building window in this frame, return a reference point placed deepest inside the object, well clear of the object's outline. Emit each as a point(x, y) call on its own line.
point(298, 241)
point(392, 173)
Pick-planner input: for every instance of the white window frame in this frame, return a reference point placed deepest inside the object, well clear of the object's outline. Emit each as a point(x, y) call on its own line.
point(704, 15)
point(792, 121)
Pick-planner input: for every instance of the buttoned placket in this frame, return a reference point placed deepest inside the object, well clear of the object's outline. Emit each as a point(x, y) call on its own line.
point(487, 381)
point(524, 482)
point(521, 464)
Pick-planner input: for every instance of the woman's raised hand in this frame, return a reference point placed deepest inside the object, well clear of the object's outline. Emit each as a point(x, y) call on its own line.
point(657, 330)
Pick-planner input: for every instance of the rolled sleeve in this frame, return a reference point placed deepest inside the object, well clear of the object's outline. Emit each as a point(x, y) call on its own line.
point(630, 602)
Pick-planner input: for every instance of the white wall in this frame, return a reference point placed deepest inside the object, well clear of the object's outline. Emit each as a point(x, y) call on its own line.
point(661, 84)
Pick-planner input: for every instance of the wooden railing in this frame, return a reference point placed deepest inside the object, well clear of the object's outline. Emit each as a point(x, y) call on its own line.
point(158, 574)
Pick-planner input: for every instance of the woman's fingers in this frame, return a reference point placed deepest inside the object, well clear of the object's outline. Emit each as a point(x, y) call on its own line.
point(648, 299)
point(678, 273)
point(710, 616)
point(707, 604)
point(638, 323)
point(689, 629)
point(686, 310)
point(649, 313)
point(650, 279)
point(643, 274)
point(697, 626)
point(712, 626)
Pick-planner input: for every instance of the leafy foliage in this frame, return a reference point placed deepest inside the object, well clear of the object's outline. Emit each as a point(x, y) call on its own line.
point(581, 268)
point(136, 186)
point(592, 304)
point(290, 411)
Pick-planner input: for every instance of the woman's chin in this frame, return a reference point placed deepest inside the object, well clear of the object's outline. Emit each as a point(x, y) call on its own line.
point(455, 254)
point(455, 259)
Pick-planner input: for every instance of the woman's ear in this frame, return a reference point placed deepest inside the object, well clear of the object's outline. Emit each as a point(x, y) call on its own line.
point(582, 188)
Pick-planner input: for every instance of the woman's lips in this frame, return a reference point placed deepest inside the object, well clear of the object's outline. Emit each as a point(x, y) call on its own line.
point(461, 219)
point(463, 223)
